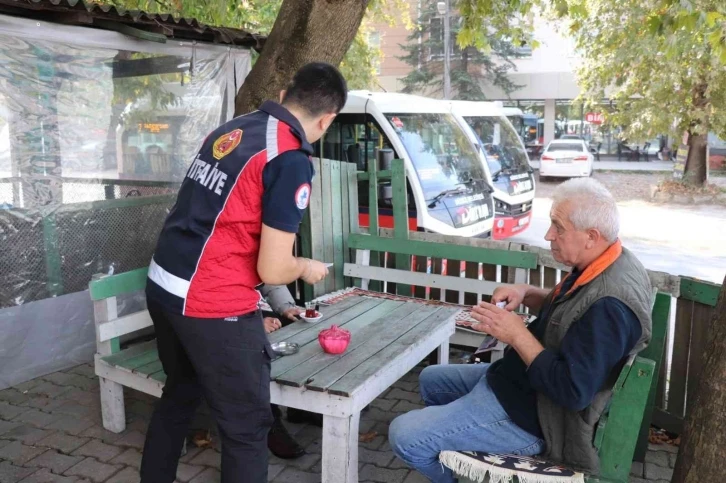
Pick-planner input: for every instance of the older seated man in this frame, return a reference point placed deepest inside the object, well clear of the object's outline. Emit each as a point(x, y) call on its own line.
point(547, 393)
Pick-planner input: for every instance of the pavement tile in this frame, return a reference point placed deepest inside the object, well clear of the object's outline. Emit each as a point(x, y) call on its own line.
point(293, 475)
point(659, 458)
point(654, 472)
point(210, 475)
point(383, 475)
point(36, 417)
point(86, 370)
point(72, 408)
point(9, 411)
point(55, 461)
point(70, 425)
point(185, 473)
point(132, 439)
point(26, 433)
point(45, 476)
point(273, 471)
point(415, 477)
point(208, 457)
point(97, 449)
point(97, 431)
point(93, 470)
point(10, 473)
point(13, 396)
point(127, 475)
point(410, 396)
point(18, 453)
point(130, 457)
point(377, 458)
point(48, 389)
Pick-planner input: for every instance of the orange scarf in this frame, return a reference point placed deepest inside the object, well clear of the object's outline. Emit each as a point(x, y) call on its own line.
point(594, 269)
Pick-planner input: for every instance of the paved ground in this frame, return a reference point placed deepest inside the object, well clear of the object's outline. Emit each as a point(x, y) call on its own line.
point(50, 431)
point(625, 165)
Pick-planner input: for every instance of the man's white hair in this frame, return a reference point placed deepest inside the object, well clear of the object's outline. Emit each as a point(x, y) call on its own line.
point(593, 207)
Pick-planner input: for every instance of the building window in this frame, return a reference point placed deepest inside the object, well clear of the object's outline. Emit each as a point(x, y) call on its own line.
point(436, 35)
point(374, 41)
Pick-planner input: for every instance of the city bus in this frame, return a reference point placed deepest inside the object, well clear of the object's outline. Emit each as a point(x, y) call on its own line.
point(506, 161)
point(448, 189)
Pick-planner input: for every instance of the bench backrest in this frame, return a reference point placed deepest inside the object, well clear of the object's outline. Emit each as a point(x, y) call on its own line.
point(367, 271)
point(109, 326)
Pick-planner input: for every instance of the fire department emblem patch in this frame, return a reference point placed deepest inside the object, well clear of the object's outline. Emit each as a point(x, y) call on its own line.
point(226, 143)
point(302, 196)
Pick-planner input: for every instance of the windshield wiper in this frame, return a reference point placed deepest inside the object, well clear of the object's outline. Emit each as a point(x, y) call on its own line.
point(495, 176)
point(481, 180)
point(435, 200)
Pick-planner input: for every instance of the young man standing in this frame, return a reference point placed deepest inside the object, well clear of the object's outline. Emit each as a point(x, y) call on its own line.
point(232, 229)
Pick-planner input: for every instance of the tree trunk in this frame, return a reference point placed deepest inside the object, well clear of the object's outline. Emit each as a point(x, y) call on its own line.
point(695, 173)
point(304, 31)
point(701, 455)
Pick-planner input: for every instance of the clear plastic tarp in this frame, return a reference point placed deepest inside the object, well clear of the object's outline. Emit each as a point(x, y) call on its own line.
point(93, 145)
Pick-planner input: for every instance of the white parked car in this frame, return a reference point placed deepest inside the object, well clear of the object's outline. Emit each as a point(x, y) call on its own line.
point(566, 158)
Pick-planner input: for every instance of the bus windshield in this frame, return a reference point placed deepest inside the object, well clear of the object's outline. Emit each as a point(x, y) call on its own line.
point(501, 143)
point(442, 155)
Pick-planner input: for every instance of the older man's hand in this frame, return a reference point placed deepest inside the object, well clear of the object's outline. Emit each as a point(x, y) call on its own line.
point(512, 295)
point(499, 323)
point(292, 313)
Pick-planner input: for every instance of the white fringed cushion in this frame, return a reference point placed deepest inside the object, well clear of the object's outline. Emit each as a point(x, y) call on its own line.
point(503, 468)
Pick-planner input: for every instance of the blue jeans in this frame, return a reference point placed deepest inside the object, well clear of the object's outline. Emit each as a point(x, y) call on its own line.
point(462, 414)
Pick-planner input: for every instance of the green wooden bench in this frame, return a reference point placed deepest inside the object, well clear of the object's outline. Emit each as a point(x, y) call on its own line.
point(629, 413)
point(137, 366)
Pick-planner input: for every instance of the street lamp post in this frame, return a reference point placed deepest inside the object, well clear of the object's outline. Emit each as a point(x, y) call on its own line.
point(443, 9)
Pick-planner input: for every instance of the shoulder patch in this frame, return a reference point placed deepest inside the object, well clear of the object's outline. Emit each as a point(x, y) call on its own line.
point(302, 196)
point(226, 143)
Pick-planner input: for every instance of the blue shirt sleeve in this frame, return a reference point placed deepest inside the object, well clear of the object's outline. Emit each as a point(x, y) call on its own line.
point(287, 181)
point(591, 348)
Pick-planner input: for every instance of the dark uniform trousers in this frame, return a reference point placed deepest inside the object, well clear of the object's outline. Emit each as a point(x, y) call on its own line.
point(227, 362)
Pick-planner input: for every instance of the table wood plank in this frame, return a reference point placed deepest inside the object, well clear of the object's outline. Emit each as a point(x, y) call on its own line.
point(300, 326)
point(311, 331)
point(390, 326)
point(351, 382)
point(387, 332)
point(353, 319)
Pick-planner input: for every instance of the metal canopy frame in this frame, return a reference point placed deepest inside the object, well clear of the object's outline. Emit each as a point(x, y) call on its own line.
point(29, 29)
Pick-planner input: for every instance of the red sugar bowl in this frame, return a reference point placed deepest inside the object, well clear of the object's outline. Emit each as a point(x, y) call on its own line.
point(334, 340)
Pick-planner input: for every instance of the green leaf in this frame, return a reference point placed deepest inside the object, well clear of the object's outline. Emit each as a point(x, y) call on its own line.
point(712, 18)
point(654, 24)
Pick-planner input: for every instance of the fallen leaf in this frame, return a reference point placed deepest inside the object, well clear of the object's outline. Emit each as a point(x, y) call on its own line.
point(367, 437)
point(202, 439)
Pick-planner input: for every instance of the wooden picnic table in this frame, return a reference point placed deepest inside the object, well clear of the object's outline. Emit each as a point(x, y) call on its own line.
point(388, 338)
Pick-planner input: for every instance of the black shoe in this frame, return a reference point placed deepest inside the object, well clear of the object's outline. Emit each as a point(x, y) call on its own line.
point(299, 416)
point(281, 444)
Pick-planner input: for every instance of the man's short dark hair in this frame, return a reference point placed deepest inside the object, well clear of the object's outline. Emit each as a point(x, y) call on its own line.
point(318, 88)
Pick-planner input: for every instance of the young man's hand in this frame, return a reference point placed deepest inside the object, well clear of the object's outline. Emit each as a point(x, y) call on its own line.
point(314, 271)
